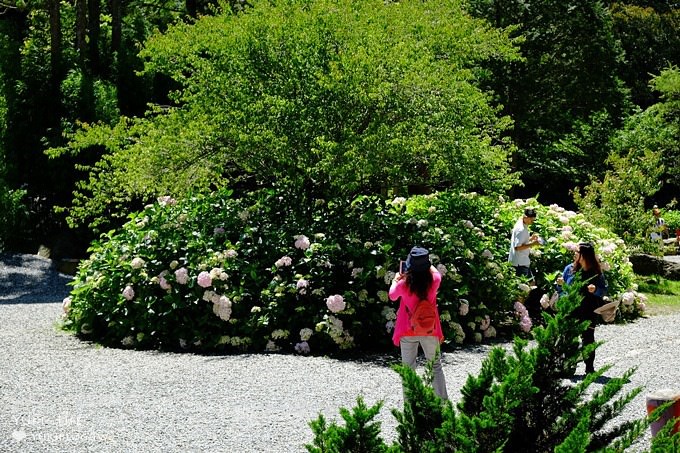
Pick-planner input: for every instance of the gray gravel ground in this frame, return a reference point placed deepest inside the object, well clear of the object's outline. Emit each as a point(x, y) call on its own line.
point(60, 394)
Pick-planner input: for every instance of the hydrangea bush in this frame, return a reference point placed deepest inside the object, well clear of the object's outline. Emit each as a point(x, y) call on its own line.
point(562, 231)
point(269, 272)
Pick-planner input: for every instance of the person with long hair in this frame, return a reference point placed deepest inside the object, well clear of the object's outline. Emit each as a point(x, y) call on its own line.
point(594, 287)
point(418, 282)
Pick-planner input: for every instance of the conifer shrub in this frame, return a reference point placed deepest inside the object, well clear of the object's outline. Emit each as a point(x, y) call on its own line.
point(526, 400)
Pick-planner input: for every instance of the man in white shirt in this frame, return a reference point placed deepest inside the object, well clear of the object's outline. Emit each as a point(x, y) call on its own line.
point(521, 243)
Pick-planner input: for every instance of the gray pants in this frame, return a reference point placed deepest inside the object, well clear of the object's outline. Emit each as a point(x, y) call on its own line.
point(430, 345)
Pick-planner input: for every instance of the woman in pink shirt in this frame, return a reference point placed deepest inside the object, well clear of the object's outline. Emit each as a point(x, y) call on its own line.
point(420, 281)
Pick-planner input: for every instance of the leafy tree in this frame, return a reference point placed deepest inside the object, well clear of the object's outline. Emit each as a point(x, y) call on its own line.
point(650, 37)
point(564, 96)
point(645, 158)
point(64, 63)
point(337, 98)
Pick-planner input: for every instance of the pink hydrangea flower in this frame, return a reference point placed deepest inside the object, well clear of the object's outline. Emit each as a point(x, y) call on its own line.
point(302, 285)
point(335, 303)
point(223, 310)
point(525, 324)
point(302, 242)
point(628, 298)
point(204, 279)
point(164, 283)
point(182, 276)
point(523, 315)
point(571, 246)
point(464, 307)
point(128, 293)
point(283, 261)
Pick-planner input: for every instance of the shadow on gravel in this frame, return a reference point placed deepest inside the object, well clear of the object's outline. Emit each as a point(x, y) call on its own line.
point(600, 380)
point(30, 279)
point(382, 359)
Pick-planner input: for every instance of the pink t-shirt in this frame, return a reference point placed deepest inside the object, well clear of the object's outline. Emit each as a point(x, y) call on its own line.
point(399, 289)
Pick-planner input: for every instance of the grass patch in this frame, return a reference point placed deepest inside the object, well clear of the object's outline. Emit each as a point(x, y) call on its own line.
point(663, 296)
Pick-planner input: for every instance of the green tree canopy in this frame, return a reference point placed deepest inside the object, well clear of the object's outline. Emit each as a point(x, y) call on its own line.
point(565, 96)
point(650, 38)
point(645, 159)
point(332, 97)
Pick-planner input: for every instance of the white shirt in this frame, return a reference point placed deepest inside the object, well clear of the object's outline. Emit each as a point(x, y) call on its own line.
point(659, 227)
point(520, 236)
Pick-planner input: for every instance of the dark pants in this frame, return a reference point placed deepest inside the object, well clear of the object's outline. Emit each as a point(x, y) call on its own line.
point(524, 271)
point(588, 337)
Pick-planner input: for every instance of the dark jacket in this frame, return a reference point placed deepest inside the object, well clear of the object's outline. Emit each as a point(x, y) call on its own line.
point(591, 301)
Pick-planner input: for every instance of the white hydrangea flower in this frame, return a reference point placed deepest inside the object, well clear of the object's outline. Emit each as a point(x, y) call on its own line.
point(280, 334)
point(271, 347)
point(306, 334)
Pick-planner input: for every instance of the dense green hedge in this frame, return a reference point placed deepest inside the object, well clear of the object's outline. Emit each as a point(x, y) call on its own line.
point(270, 271)
point(672, 219)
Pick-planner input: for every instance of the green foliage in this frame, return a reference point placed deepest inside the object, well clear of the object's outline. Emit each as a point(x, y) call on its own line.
point(274, 262)
point(665, 439)
point(420, 425)
point(650, 37)
point(565, 95)
point(672, 219)
point(336, 97)
point(659, 285)
point(355, 249)
point(81, 92)
point(645, 157)
point(521, 400)
point(562, 231)
point(359, 435)
point(13, 213)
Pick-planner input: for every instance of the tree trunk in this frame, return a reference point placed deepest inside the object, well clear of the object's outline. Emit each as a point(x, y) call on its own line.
point(192, 8)
point(55, 58)
point(81, 31)
point(94, 27)
point(116, 26)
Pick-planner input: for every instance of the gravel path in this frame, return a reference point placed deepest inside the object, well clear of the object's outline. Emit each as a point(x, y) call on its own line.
point(60, 394)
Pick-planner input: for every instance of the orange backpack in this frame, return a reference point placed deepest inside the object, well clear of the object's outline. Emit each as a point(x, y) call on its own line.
point(422, 320)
